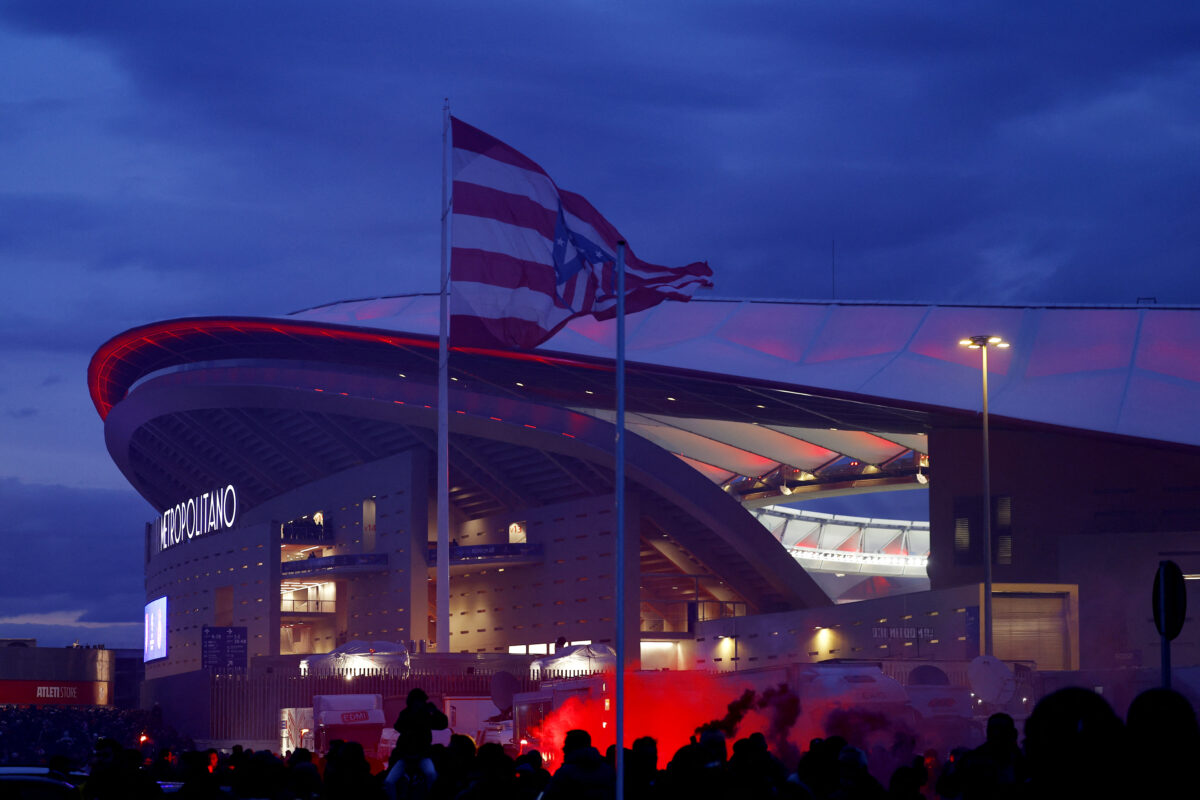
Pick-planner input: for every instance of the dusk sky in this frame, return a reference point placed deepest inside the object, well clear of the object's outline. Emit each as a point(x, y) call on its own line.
point(170, 159)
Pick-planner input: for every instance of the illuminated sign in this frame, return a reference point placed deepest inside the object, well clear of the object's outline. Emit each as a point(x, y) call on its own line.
point(903, 632)
point(206, 513)
point(223, 649)
point(156, 630)
point(61, 693)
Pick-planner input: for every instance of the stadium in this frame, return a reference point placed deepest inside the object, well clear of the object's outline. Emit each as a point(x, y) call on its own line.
point(293, 459)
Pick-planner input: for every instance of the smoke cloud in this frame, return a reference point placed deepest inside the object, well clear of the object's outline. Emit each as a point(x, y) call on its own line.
point(667, 705)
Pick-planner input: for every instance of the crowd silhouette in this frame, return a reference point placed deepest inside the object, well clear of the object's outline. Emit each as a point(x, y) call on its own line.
point(1073, 745)
point(34, 734)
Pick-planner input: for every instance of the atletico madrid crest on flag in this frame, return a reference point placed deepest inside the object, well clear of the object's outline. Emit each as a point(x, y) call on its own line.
point(526, 257)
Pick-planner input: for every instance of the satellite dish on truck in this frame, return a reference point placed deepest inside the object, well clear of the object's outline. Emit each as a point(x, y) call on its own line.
point(991, 680)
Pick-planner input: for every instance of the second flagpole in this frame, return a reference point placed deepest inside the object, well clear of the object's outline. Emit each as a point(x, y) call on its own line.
point(619, 688)
point(442, 631)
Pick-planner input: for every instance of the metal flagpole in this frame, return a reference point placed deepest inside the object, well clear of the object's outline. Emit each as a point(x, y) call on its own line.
point(619, 689)
point(987, 516)
point(443, 434)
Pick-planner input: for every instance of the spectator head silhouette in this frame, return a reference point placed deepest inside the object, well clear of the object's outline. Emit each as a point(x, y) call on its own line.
point(1163, 732)
point(576, 739)
point(417, 697)
point(645, 749)
point(1001, 730)
point(853, 757)
point(462, 746)
point(1075, 743)
point(1162, 716)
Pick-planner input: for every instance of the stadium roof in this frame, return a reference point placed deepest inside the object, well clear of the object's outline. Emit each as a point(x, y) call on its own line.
point(1127, 370)
point(763, 396)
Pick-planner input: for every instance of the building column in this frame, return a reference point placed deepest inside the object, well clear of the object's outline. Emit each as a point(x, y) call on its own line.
point(404, 536)
point(633, 582)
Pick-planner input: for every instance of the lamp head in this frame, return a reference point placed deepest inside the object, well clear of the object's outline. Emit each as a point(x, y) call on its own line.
point(978, 342)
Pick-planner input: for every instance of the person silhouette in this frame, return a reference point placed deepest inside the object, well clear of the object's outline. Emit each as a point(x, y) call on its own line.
point(1164, 739)
point(1075, 746)
point(584, 774)
point(412, 765)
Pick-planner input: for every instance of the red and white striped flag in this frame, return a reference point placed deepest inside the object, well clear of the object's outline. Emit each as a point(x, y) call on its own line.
point(526, 257)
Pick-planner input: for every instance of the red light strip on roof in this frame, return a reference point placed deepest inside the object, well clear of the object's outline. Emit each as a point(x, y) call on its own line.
point(539, 358)
point(107, 392)
point(108, 358)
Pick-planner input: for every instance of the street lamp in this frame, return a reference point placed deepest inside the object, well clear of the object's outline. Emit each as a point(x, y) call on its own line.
point(982, 343)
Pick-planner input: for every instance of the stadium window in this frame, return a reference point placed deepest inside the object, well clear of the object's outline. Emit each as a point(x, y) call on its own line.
point(968, 512)
point(1004, 539)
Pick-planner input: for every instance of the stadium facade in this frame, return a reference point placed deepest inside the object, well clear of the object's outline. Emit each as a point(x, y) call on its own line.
point(292, 461)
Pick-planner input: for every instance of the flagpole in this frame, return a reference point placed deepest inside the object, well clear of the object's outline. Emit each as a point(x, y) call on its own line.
point(619, 689)
point(443, 422)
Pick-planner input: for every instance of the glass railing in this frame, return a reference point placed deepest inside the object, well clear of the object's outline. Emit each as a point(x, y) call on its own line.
point(305, 531)
point(289, 606)
point(333, 563)
point(486, 552)
point(678, 616)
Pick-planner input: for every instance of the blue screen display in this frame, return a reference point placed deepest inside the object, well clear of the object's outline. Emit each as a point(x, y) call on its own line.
point(156, 630)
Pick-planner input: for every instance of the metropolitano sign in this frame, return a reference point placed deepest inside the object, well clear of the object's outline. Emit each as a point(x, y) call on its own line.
point(206, 513)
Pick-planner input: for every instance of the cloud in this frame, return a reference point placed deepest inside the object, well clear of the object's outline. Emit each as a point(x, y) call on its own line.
point(73, 619)
point(296, 156)
point(70, 549)
point(208, 158)
point(61, 631)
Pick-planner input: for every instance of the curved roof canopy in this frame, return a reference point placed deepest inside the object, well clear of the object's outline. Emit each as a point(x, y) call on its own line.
point(765, 397)
point(1127, 370)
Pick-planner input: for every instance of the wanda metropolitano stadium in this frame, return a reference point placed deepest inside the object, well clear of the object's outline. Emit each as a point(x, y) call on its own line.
point(293, 461)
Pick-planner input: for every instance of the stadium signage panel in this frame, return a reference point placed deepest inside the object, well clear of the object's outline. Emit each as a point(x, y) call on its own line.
point(903, 632)
point(50, 693)
point(206, 513)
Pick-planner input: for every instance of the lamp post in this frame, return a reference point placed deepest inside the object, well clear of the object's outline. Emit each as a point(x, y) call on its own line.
point(982, 343)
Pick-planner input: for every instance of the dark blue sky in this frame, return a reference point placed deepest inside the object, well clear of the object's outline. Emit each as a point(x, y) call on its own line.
point(173, 159)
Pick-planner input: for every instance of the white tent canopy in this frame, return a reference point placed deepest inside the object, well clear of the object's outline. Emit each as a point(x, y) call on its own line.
point(579, 658)
point(358, 656)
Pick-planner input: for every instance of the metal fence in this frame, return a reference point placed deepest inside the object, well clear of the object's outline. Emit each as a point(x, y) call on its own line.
point(247, 707)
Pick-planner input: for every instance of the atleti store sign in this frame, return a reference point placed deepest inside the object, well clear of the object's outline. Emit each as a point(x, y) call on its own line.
point(207, 513)
point(54, 693)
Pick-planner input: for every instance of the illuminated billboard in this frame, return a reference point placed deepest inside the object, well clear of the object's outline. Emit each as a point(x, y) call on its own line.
point(156, 630)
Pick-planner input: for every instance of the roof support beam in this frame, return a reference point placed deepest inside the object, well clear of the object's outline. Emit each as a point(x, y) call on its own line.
point(223, 443)
point(165, 444)
point(167, 483)
point(295, 455)
point(347, 439)
point(501, 488)
point(573, 473)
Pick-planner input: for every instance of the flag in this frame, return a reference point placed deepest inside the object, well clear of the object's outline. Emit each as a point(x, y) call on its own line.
point(526, 257)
